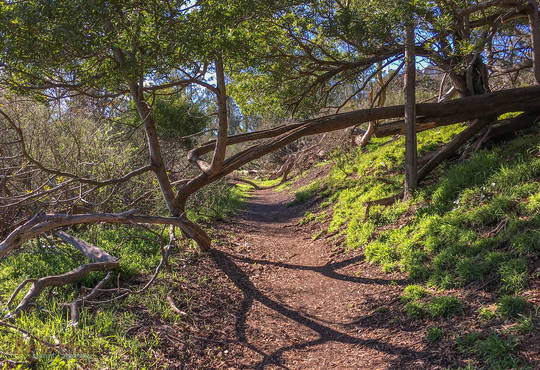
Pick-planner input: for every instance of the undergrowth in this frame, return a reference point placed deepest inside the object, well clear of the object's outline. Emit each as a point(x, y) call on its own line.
point(477, 218)
point(476, 224)
point(100, 340)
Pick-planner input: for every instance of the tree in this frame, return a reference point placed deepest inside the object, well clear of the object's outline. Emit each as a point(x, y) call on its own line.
point(294, 54)
point(410, 112)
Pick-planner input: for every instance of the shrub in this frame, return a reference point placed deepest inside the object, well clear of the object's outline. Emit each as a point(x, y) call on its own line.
point(444, 306)
point(511, 306)
point(413, 293)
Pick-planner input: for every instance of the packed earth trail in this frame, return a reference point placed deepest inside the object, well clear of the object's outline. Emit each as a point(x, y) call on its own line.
point(304, 306)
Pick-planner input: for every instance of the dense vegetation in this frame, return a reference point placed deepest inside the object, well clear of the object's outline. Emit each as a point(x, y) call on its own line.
point(475, 226)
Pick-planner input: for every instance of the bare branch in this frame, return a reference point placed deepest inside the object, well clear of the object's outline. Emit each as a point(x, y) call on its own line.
point(42, 223)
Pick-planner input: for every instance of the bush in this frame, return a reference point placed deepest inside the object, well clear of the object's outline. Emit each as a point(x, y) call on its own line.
point(413, 293)
point(444, 306)
point(511, 306)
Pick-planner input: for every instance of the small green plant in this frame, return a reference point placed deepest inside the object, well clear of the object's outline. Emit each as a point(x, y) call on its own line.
point(499, 353)
point(525, 325)
point(308, 217)
point(513, 276)
point(415, 310)
point(467, 343)
point(434, 334)
point(305, 193)
point(511, 306)
point(413, 293)
point(444, 306)
point(527, 243)
point(486, 313)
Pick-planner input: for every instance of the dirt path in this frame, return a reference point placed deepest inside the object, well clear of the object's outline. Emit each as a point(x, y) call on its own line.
point(303, 309)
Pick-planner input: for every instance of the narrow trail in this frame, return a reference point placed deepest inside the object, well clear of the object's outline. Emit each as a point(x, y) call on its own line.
point(304, 309)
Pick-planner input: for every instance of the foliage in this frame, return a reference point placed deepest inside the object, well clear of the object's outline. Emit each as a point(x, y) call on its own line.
point(511, 306)
point(445, 306)
point(216, 201)
point(178, 117)
point(413, 293)
point(100, 339)
point(445, 236)
point(434, 334)
point(497, 352)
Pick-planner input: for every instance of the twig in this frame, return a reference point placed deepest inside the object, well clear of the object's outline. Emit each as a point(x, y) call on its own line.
point(173, 306)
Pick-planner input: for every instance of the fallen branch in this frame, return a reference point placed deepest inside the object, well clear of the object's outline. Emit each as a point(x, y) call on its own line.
point(173, 306)
point(76, 304)
point(42, 223)
point(91, 252)
point(451, 147)
point(59, 280)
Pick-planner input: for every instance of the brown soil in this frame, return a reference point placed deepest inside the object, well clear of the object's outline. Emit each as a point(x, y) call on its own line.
point(303, 309)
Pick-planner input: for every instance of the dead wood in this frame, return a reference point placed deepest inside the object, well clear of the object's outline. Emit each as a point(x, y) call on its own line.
point(59, 280)
point(451, 147)
point(500, 129)
point(91, 252)
point(76, 304)
point(42, 223)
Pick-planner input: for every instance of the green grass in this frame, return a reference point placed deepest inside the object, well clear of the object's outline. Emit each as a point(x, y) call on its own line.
point(100, 340)
point(216, 201)
point(437, 307)
point(445, 306)
point(434, 334)
point(413, 293)
point(305, 193)
point(499, 353)
point(476, 225)
point(479, 218)
point(496, 352)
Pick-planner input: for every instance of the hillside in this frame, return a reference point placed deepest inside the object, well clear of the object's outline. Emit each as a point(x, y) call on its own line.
point(468, 240)
point(302, 277)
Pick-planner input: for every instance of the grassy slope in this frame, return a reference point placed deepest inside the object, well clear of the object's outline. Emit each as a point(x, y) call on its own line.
point(476, 226)
point(100, 341)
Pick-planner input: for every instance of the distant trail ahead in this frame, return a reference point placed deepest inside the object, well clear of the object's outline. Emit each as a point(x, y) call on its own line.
point(302, 309)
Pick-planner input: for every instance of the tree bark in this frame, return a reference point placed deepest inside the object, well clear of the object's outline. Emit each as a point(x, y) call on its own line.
point(42, 223)
point(535, 38)
point(410, 114)
point(451, 147)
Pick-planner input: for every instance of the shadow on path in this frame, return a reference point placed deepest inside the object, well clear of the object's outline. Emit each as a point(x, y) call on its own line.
point(325, 333)
point(328, 270)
